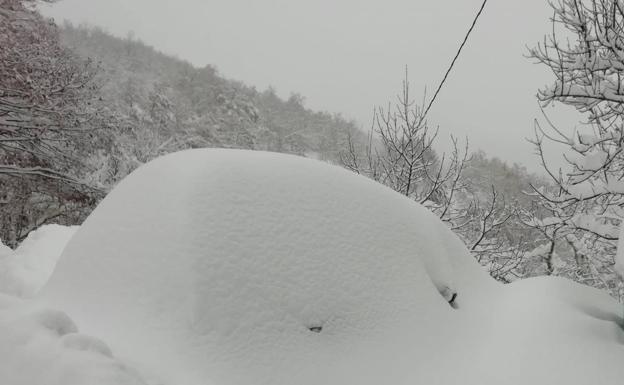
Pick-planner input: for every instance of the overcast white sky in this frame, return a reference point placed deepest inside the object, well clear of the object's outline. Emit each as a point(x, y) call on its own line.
point(349, 55)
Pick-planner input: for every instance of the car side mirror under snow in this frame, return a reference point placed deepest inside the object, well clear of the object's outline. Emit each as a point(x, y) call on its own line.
point(452, 301)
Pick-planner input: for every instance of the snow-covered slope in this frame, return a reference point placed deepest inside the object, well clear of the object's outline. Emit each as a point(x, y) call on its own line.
point(42, 346)
point(550, 330)
point(24, 271)
point(4, 250)
point(232, 267)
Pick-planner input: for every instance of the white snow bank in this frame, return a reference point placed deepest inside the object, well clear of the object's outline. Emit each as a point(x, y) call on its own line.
point(546, 331)
point(4, 250)
point(232, 267)
point(43, 347)
point(24, 271)
point(619, 257)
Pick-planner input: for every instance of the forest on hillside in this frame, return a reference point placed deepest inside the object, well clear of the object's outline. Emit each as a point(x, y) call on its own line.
point(80, 109)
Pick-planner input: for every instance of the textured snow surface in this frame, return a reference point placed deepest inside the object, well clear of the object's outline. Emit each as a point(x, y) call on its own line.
point(4, 250)
point(40, 346)
point(232, 267)
point(24, 271)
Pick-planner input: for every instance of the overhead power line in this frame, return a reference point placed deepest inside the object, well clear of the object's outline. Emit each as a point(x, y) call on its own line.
point(448, 71)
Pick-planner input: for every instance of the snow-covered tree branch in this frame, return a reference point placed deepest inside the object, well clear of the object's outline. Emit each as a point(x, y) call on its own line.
point(585, 53)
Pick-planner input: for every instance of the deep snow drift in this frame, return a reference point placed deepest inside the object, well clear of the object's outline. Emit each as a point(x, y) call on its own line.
point(234, 267)
point(4, 250)
point(41, 346)
point(24, 271)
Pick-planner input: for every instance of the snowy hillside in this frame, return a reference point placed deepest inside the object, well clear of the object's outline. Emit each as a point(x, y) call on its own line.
point(153, 230)
point(235, 267)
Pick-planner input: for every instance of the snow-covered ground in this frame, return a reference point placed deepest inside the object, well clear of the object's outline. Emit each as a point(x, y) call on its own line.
point(42, 346)
point(231, 267)
point(24, 271)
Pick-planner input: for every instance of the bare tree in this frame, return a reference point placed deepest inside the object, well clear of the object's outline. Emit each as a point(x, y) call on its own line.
point(552, 229)
point(488, 222)
point(400, 154)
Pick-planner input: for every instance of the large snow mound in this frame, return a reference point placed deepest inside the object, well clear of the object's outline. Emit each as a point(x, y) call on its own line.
point(229, 258)
point(24, 271)
point(233, 267)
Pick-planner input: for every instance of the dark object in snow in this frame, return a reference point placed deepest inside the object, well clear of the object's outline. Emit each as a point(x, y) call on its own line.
point(55, 321)
point(315, 329)
point(452, 301)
